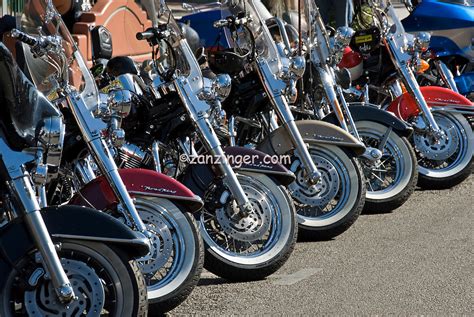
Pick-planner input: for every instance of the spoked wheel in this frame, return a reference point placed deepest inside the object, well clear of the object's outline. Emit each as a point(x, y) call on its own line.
point(174, 264)
point(251, 247)
point(331, 207)
point(392, 179)
point(446, 162)
point(104, 283)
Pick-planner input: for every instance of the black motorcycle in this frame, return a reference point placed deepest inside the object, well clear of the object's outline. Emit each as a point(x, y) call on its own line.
point(54, 260)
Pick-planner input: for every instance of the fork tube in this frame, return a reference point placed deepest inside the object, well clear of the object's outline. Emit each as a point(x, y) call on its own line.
point(34, 222)
point(210, 140)
point(328, 85)
point(413, 87)
point(213, 144)
point(99, 150)
point(446, 75)
point(348, 112)
point(274, 88)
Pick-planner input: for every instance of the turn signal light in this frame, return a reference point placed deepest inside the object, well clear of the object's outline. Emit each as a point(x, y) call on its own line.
point(422, 66)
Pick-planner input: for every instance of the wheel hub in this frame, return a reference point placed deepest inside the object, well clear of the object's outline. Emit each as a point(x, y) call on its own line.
point(161, 248)
point(42, 300)
point(442, 148)
point(325, 191)
point(248, 228)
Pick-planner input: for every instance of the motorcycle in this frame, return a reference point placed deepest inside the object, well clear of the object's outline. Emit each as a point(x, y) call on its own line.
point(329, 191)
point(389, 162)
point(451, 53)
point(248, 220)
point(442, 138)
point(54, 260)
point(150, 203)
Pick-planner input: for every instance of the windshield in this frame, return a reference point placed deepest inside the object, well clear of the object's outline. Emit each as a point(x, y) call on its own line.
point(173, 50)
point(264, 43)
point(399, 39)
point(63, 63)
point(318, 36)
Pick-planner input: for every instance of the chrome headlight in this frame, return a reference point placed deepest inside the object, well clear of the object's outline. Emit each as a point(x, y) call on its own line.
point(343, 37)
point(222, 85)
point(120, 102)
point(298, 66)
point(422, 41)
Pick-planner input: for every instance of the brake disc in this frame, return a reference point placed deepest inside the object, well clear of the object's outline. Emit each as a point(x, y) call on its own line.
point(43, 301)
point(249, 228)
point(444, 148)
point(161, 248)
point(325, 191)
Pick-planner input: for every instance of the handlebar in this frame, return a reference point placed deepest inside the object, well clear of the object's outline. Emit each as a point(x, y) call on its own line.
point(25, 38)
point(40, 45)
point(146, 35)
point(154, 35)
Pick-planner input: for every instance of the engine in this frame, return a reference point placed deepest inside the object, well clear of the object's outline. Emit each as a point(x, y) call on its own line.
point(132, 156)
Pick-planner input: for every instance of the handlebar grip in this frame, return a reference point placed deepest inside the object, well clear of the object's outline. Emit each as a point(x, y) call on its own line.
point(145, 35)
point(23, 37)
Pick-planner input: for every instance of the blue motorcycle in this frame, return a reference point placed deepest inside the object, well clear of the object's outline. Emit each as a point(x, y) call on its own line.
point(451, 24)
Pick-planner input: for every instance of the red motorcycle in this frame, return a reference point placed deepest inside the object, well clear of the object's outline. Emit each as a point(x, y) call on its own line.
point(443, 139)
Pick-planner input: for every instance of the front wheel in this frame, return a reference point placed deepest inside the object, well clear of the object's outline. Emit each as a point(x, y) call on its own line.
point(173, 267)
point(329, 208)
point(446, 162)
point(105, 284)
point(392, 179)
point(245, 248)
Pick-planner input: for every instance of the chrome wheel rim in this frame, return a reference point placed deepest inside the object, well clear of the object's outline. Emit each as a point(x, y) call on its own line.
point(454, 151)
point(391, 174)
point(317, 211)
point(239, 244)
point(43, 301)
point(172, 252)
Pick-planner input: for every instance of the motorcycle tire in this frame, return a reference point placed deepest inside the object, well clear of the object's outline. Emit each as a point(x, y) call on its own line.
point(102, 278)
point(327, 212)
point(455, 151)
point(390, 190)
point(174, 265)
point(273, 223)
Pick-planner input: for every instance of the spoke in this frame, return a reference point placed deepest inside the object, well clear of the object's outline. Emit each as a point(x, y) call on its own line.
point(378, 178)
point(371, 187)
point(384, 139)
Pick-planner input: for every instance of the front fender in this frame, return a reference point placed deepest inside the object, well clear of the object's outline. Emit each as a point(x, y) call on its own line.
point(100, 195)
point(69, 223)
point(361, 112)
point(405, 106)
point(313, 132)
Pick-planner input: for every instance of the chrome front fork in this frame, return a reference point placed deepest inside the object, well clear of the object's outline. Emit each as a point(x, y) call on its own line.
point(446, 75)
point(26, 196)
point(335, 98)
point(91, 132)
point(275, 88)
point(413, 87)
point(20, 184)
point(210, 140)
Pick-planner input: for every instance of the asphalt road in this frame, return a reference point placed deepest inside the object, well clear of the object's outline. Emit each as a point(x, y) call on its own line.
point(417, 260)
